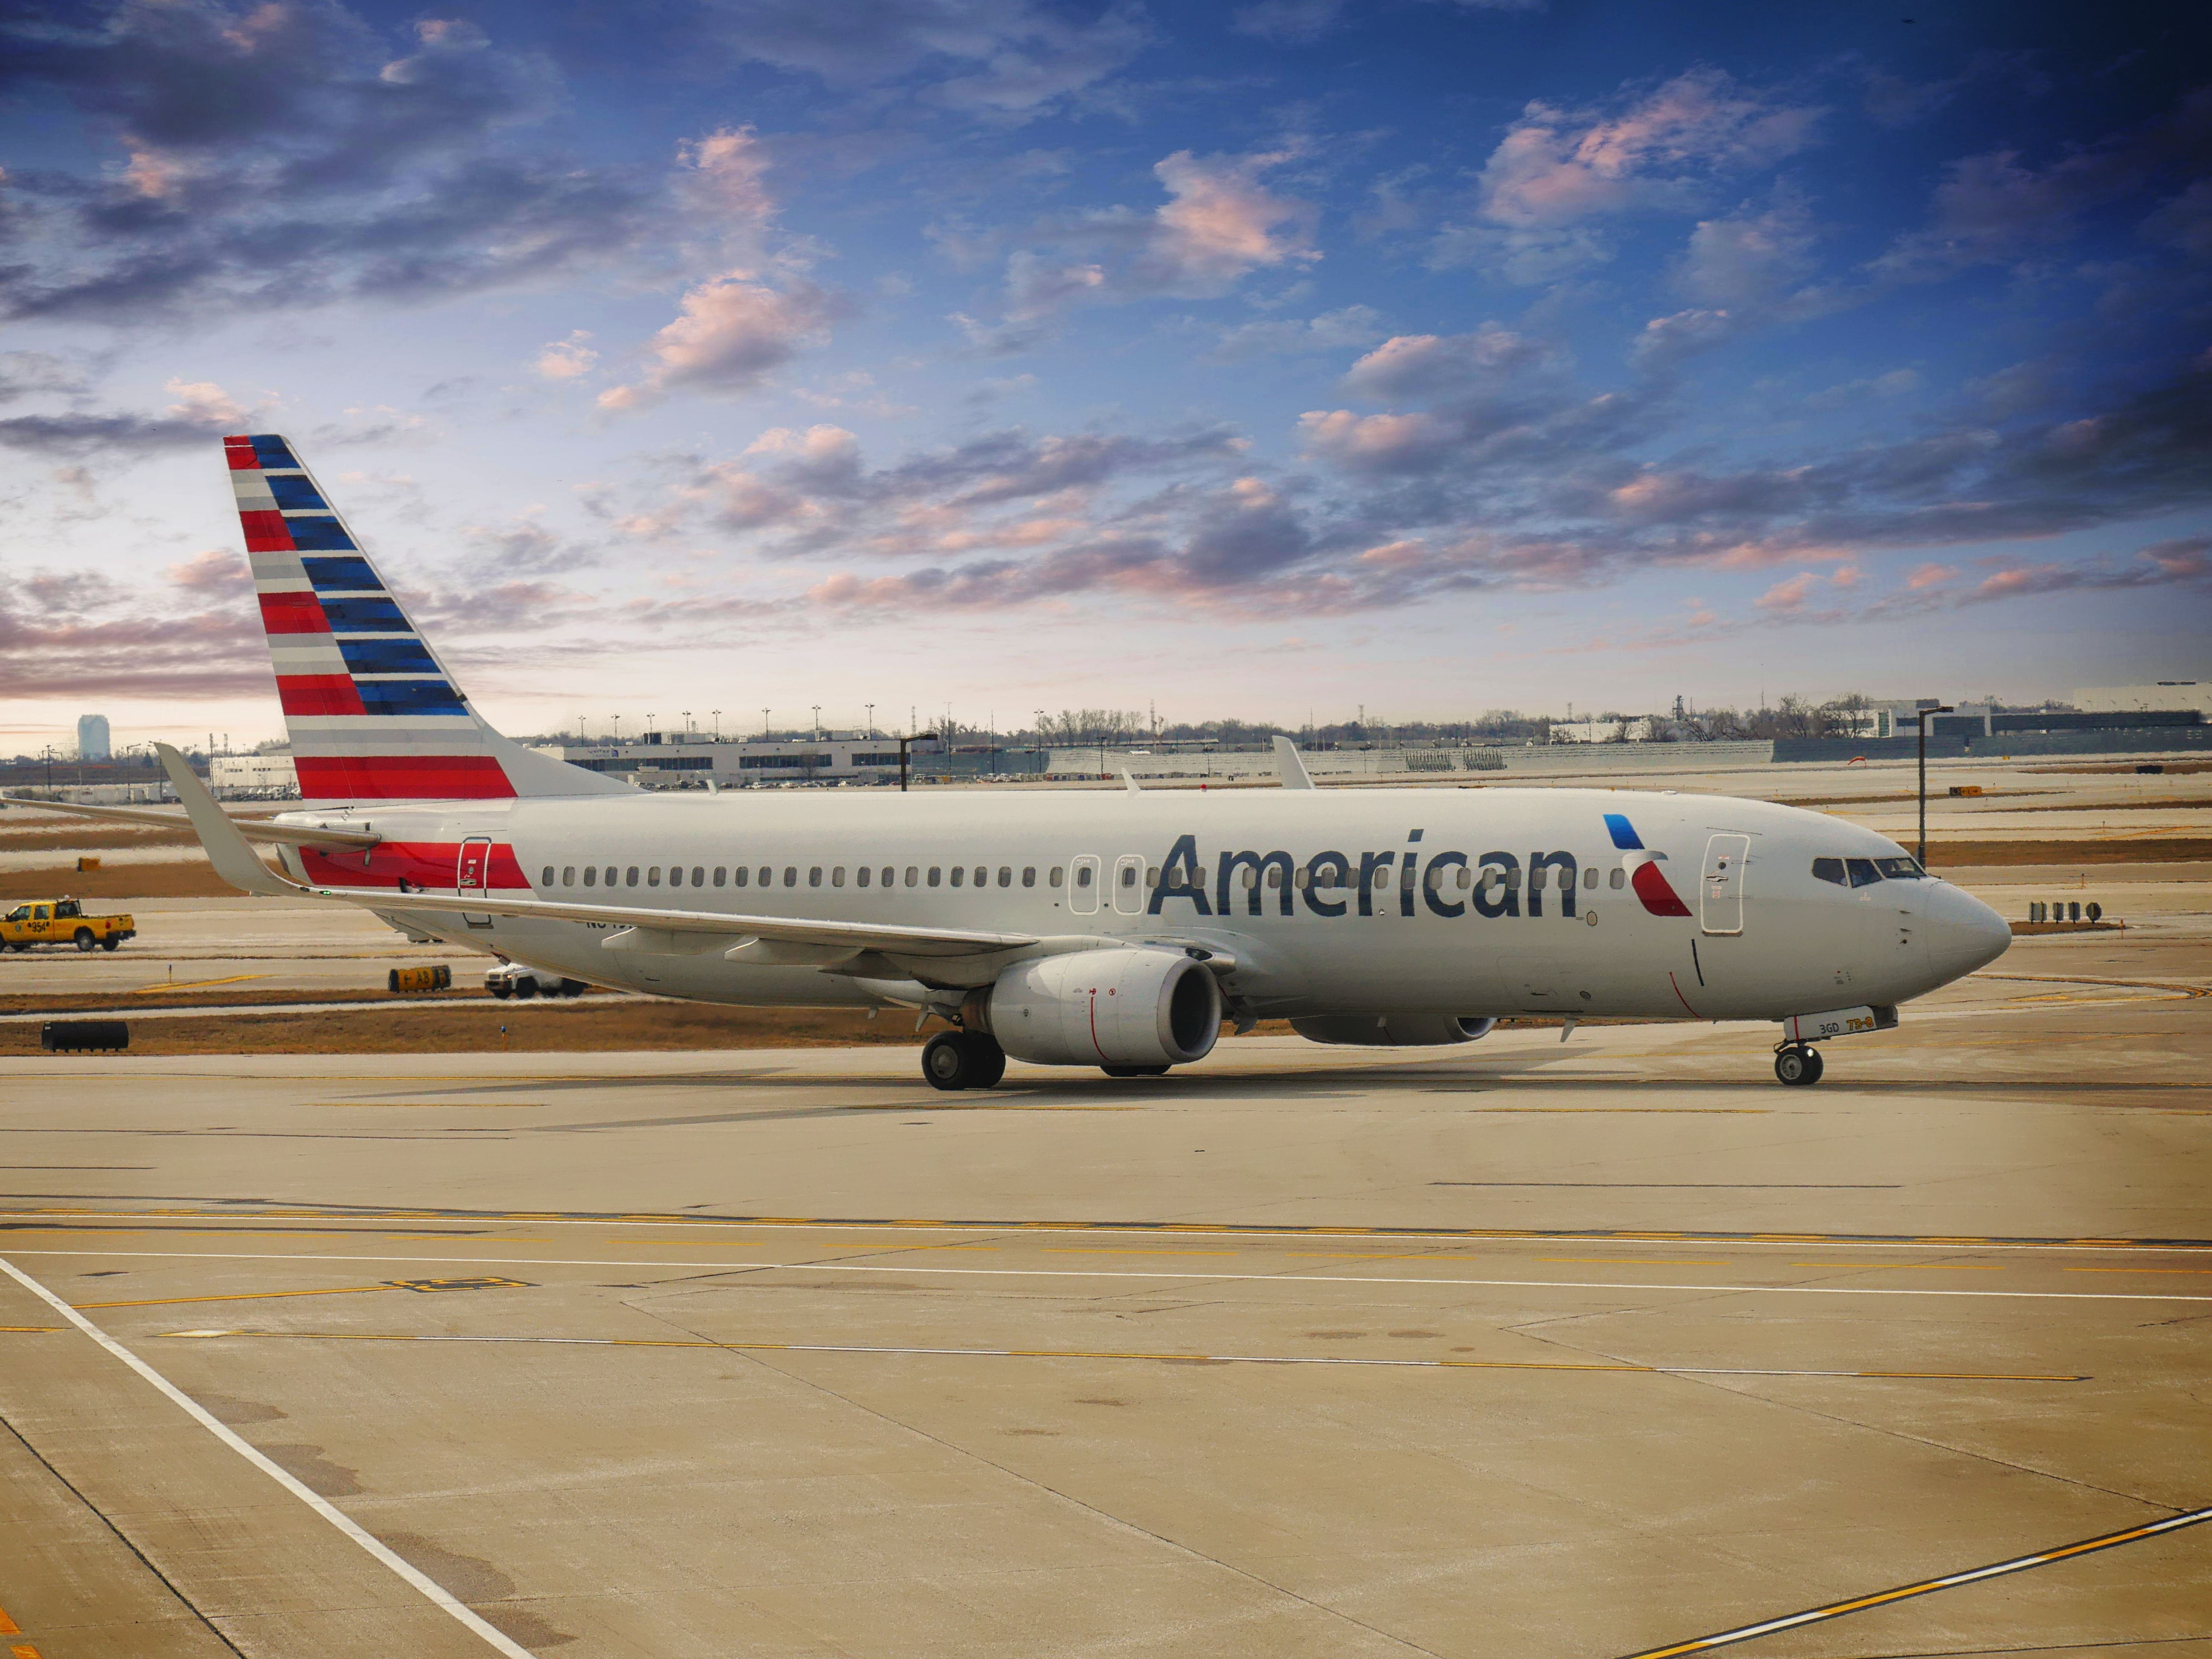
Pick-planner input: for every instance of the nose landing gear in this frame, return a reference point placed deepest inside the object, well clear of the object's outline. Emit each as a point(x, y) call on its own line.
point(963, 1059)
point(1797, 1064)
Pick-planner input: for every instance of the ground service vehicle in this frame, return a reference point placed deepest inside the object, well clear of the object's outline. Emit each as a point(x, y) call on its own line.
point(62, 922)
point(1057, 927)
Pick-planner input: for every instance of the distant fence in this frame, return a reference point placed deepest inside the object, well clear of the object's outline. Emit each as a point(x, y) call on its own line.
point(1946, 746)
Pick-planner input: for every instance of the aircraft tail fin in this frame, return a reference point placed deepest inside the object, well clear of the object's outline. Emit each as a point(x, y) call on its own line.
point(372, 714)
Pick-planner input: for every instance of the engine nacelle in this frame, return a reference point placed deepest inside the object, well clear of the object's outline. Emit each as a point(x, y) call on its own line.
point(1114, 1007)
point(1393, 1030)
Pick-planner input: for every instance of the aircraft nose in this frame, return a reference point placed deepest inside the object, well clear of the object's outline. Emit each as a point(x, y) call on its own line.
point(1963, 934)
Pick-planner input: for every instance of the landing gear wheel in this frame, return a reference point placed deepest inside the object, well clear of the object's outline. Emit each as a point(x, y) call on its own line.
point(1135, 1071)
point(963, 1059)
point(1798, 1065)
point(85, 940)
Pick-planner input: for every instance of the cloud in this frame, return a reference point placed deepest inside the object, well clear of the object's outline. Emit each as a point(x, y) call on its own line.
point(283, 155)
point(732, 332)
point(1287, 23)
point(1003, 59)
point(1557, 171)
point(1486, 364)
point(204, 404)
point(727, 172)
point(1219, 225)
point(1994, 208)
point(1331, 331)
point(217, 571)
point(566, 360)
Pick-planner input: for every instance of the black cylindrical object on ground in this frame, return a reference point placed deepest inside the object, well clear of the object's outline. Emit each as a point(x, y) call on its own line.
point(71, 1036)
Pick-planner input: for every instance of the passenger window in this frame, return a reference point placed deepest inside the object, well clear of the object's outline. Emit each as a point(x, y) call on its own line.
point(1829, 870)
point(1082, 876)
point(1590, 876)
point(911, 871)
point(1029, 875)
point(1513, 878)
point(862, 874)
point(791, 875)
point(1537, 878)
point(632, 875)
point(741, 876)
point(1129, 875)
point(1005, 875)
point(1274, 875)
point(767, 876)
point(1152, 876)
point(699, 876)
point(1052, 877)
point(591, 875)
point(1248, 876)
point(1900, 869)
point(1618, 878)
point(837, 877)
point(548, 881)
point(1863, 874)
point(887, 876)
point(936, 875)
point(652, 876)
point(959, 874)
point(719, 873)
point(1463, 877)
point(814, 876)
point(982, 876)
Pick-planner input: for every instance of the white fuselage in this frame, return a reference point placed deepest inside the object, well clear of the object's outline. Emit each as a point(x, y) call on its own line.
point(1759, 936)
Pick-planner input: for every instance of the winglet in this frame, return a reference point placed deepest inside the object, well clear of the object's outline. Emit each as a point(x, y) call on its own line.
point(1130, 779)
point(234, 859)
point(1289, 767)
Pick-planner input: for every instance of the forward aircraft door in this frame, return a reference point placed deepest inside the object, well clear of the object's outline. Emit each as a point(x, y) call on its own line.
point(1129, 883)
point(1721, 909)
point(1082, 886)
point(470, 873)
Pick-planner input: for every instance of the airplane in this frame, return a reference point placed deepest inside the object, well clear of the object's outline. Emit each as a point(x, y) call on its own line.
point(1117, 930)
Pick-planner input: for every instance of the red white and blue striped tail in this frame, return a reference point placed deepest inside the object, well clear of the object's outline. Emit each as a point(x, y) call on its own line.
point(373, 715)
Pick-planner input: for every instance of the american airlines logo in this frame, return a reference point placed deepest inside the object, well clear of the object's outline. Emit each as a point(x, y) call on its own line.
point(1449, 883)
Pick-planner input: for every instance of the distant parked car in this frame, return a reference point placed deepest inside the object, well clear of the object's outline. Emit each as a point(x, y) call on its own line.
point(512, 979)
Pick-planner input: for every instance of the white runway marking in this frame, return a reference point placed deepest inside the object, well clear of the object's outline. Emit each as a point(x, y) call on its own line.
point(1102, 1273)
point(435, 1592)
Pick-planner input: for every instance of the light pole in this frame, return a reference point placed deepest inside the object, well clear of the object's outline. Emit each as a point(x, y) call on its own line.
point(817, 707)
point(763, 726)
point(687, 726)
point(903, 742)
point(1921, 720)
point(718, 726)
point(871, 720)
point(614, 727)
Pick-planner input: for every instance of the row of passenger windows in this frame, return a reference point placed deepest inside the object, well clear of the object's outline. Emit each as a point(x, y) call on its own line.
point(1864, 872)
point(961, 875)
point(743, 875)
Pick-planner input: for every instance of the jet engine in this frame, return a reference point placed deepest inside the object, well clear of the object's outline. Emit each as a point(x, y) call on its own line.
point(1393, 1030)
point(1113, 1007)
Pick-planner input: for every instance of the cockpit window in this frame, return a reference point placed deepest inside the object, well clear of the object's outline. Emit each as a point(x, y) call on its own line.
point(1863, 874)
point(1901, 869)
point(1829, 870)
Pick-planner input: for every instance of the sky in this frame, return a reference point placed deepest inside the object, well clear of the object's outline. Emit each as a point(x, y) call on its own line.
point(687, 359)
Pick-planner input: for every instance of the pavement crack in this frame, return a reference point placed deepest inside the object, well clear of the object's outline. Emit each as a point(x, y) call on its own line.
point(1057, 1494)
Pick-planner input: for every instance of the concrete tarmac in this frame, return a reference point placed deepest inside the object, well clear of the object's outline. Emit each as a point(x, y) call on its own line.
point(1528, 1348)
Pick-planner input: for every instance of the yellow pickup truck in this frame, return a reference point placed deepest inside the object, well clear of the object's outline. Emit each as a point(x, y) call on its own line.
point(57, 921)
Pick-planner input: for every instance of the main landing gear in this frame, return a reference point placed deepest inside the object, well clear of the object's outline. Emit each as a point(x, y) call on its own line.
point(1797, 1064)
point(963, 1059)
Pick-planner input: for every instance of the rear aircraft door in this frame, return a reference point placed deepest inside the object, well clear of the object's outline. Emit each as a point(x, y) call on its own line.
point(1129, 883)
point(1082, 886)
point(469, 874)
point(1720, 908)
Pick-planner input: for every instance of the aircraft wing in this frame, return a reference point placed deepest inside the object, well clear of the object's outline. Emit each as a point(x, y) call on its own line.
point(274, 834)
point(235, 862)
point(782, 930)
